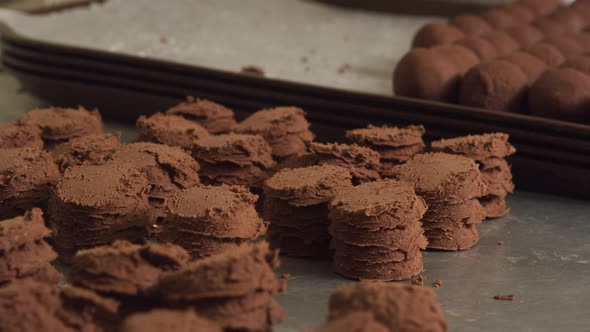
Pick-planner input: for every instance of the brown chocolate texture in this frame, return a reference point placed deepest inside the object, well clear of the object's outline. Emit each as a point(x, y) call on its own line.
point(215, 118)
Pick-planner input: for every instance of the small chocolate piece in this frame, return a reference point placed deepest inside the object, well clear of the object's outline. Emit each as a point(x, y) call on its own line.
point(483, 48)
point(542, 7)
point(308, 186)
point(509, 297)
point(252, 70)
point(436, 34)
point(386, 136)
point(59, 125)
point(96, 204)
point(173, 130)
point(167, 169)
point(359, 321)
point(477, 147)
point(423, 73)
point(496, 85)
point(214, 117)
point(165, 320)
point(502, 41)
point(561, 94)
point(92, 149)
point(26, 177)
point(124, 269)
point(499, 19)
point(532, 66)
point(471, 25)
point(284, 128)
point(201, 217)
point(437, 283)
point(547, 53)
point(18, 134)
point(362, 162)
point(399, 307)
point(526, 35)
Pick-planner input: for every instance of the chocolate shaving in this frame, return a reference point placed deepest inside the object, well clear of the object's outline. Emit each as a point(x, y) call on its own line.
point(509, 297)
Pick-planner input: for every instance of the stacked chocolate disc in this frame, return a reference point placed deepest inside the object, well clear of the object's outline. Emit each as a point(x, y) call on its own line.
point(216, 118)
point(173, 130)
point(376, 231)
point(92, 149)
point(23, 251)
point(296, 206)
point(26, 177)
point(284, 128)
point(96, 204)
point(395, 144)
point(451, 186)
point(489, 151)
point(362, 162)
point(19, 134)
point(234, 159)
point(234, 289)
point(209, 220)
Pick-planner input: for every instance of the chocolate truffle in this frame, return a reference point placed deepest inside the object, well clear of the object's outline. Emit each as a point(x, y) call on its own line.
point(362, 162)
point(209, 220)
point(376, 231)
point(532, 66)
point(18, 134)
point(234, 288)
point(496, 85)
point(499, 19)
point(359, 321)
point(166, 168)
point(284, 128)
point(59, 125)
point(542, 7)
point(92, 149)
point(526, 35)
point(436, 34)
point(561, 94)
point(462, 57)
point(166, 320)
point(234, 159)
point(570, 18)
point(581, 63)
point(502, 41)
point(214, 117)
point(124, 269)
point(399, 307)
point(24, 254)
point(520, 12)
point(471, 25)
point(550, 28)
point(547, 53)
point(173, 130)
point(26, 176)
point(96, 204)
point(425, 74)
point(568, 46)
point(483, 48)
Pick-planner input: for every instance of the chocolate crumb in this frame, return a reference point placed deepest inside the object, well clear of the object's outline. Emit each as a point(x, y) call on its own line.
point(419, 281)
point(283, 286)
point(286, 276)
point(252, 70)
point(437, 283)
point(509, 297)
point(500, 243)
point(344, 68)
point(164, 40)
point(304, 59)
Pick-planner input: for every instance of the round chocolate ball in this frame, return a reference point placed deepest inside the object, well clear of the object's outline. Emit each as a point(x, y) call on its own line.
point(570, 19)
point(518, 11)
point(462, 57)
point(483, 48)
point(471, 25)
point(526, 35)
point(542, 7)
point(547, 53)
point(423, 73)
point(581, 63)
point(499, 19)
point(502, 41)
point(583, 40)
point(568, 46)
point(562, 93)
point(550, 28)
point(435, 34)
point(532, 66)
point(496, 85)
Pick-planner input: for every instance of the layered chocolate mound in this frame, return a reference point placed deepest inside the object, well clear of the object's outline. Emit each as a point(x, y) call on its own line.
point(451, 186)
point(284, 128)
point(209, 220)
point(296, 206)
point(92, 149)
point(214, 117)
point(19, 134)
point(362, 162)
point(24, 252)
point(376, 231)
point(173, 130)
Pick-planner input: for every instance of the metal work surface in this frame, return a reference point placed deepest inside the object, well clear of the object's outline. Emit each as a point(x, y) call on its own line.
point(544, 261)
